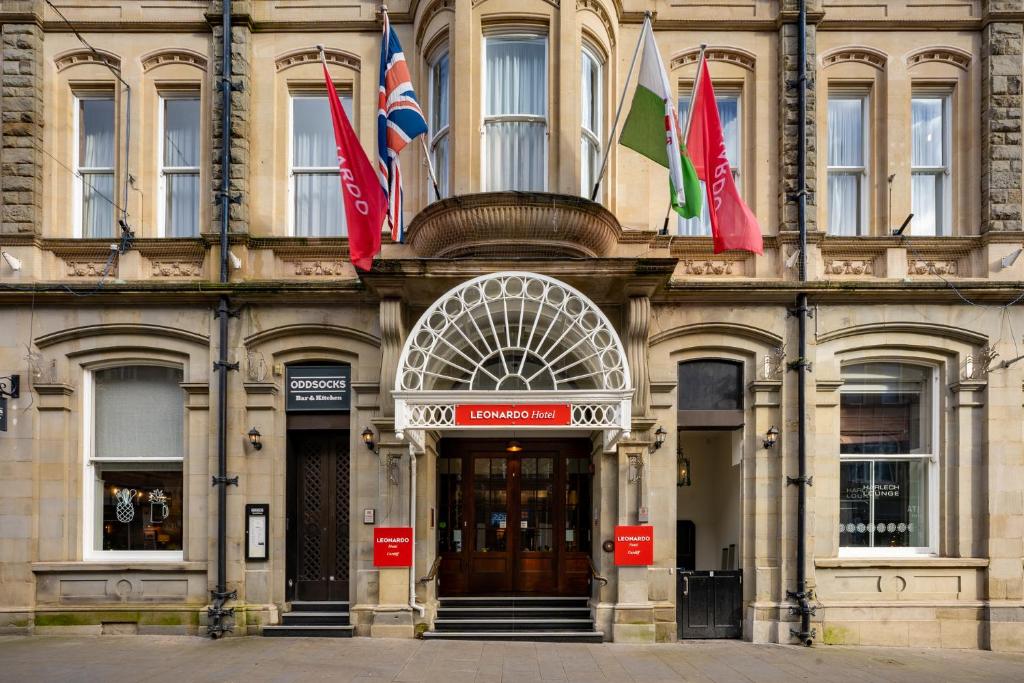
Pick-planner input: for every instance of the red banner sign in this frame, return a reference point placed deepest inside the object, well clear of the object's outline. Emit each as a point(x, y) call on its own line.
point(392, 546)
point(513, 415)
point(634, 545)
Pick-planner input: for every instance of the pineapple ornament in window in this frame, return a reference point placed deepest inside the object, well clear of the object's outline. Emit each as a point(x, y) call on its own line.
point(125, 509)
point(158, 508)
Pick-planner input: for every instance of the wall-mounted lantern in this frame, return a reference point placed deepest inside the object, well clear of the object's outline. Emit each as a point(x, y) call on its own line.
point(771, 437)
point(369, 440)
point(659, 438)
point(682, 469)
point(255, 439)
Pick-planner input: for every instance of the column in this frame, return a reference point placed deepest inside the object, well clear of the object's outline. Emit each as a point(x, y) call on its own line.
point(22, 88)
point(638, 318)
point(238, 133)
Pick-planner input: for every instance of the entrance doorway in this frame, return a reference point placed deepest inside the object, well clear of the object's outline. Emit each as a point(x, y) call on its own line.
point(318, 516)
point(514, 523)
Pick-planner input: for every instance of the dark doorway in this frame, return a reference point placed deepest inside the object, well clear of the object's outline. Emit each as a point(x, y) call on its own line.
point(710, 604)
point(514, 523)
point(318, 515)
point(686, 544)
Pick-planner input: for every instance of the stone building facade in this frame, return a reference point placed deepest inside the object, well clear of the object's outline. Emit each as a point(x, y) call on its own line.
point(915, 441)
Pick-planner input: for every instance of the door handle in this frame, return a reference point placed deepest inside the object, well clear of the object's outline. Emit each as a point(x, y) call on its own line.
point(686, 586)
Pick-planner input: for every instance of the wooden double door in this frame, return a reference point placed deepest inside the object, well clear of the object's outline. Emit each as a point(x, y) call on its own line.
point(318, 515)
point(514, 523)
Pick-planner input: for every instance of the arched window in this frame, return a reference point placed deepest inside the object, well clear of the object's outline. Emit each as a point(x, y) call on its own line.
point(710, 394)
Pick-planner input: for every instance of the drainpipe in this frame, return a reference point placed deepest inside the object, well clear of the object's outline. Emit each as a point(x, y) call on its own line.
point(804, 634)
point(218, 615)
point(412, 522)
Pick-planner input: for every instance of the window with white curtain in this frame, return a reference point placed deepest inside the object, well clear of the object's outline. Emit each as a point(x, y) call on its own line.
point(929, 160)
point(888, 433)
point(179, 165)
point(729, 113)
point(95, 155)
point(847, 164)
point(515, 112)
point(317, 205)
point(591, 94)
point(134, 485)
point(440, 111)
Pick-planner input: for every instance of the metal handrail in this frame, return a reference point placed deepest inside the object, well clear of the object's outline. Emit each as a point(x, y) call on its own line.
point(593, 572)
point(432, 574)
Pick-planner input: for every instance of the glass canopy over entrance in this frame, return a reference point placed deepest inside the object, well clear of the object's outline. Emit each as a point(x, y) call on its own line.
point(513, 340)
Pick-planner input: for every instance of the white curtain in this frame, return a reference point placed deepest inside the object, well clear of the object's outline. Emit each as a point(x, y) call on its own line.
point(96, 166)
point(441, 167)
point(319, 210)
point(590, 109)
point(181, 151)
point(927, 143)
point(139, 412)
point(516, 85)
point(845, 149)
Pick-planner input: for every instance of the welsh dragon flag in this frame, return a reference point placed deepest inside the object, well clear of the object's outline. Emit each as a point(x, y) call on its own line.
point(652, 129)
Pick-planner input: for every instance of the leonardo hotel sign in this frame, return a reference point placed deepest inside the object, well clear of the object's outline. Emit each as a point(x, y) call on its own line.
point(317, 388)
point(513, 415)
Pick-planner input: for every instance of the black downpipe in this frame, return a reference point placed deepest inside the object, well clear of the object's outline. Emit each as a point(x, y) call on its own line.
point(218, 615)
point(805, 635)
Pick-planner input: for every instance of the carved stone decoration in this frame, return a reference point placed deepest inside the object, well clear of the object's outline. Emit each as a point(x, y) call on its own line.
point(721, 53)
point(638, 322)
point(775, 363)
point(864, 266)
point(174, 56)
point(86, 56)
point(310, 55)
point(392, 339)
point(917, 266)
point(946, 55)
point(602, 14)
point(177, 268)
point(89, 268)
point(428, 15)
point(327, 268)
point(857, 54)
point(708, 267)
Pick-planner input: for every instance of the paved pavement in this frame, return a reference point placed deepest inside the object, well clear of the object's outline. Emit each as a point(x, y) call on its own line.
point(180, 660)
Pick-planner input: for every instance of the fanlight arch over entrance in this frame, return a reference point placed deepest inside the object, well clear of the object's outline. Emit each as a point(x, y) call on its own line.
point(513, 338)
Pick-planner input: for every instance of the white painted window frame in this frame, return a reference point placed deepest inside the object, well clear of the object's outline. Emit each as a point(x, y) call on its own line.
point(308, 93)
point(944, 226)
point(726, 93)
point(78, 183)
point(89, 552)
point(439, 136)
point(932, 474)
point(863, 172)
point(163, 171)
point(515, 118)
point(597, 99)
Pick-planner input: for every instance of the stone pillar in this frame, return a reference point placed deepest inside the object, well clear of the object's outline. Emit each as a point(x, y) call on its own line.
point(633, 618)
point(241, 42)
point(789, 65)
point(638, 318)
point(1001, 58)
point(392, 338)
point(21, 163)
point(761, 474)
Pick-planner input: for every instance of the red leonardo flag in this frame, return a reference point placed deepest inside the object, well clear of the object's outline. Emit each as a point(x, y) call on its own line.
point(733, 224)
point(365, 203)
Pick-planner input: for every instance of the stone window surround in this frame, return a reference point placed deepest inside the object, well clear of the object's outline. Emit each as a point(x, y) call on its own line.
point(89, 553)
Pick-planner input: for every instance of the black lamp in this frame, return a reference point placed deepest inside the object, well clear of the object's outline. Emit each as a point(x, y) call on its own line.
point(368, 440)
point(771, 437)
point(513, 446)
point(659, 438)
point(254, 439)
point(682, 469)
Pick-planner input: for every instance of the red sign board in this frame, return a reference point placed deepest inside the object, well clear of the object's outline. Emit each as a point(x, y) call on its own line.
point(634, 545)
point(392, 546)
point(513, 414)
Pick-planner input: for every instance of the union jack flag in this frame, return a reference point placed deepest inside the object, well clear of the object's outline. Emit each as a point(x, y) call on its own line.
point(399, 120)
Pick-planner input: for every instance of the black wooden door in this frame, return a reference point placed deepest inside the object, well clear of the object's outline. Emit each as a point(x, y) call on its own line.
point(319, 516)
point(710, 604)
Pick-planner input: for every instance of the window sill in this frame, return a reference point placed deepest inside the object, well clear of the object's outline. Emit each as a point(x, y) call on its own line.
point(103, 565)
point(901, 562)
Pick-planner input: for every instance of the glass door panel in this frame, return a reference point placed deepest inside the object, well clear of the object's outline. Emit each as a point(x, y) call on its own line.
point(490, 497)
point(450, 506)
point(536, 485)
point(577, 505)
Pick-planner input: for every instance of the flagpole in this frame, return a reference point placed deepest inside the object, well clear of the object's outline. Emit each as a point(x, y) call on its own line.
point(689, 119)
point(622, 101)
point(430, 167)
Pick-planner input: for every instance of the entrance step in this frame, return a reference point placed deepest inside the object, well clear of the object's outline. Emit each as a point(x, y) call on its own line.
point(522, 618)
point(313, 620)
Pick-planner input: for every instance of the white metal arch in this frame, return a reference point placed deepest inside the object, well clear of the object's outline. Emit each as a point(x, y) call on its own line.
point(513, 337)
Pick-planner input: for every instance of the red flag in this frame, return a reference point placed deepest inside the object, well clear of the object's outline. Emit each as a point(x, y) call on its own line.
point(733, 225)
point(365, 203)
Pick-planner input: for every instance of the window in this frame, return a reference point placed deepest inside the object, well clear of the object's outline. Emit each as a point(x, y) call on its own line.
point(94, 165)
point(134, 485)
point(515, 113)
point(729, 113)
point(591, 95)
point(710, 385)
point(929, 173)
point(317, 208)
point(847, 170)
point(887, 440)
point(440, 110)
point(179, 166)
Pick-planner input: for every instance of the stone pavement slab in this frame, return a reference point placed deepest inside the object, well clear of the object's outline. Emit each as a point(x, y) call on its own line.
point(175, 659)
